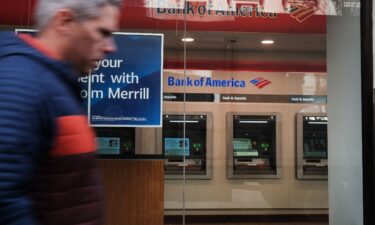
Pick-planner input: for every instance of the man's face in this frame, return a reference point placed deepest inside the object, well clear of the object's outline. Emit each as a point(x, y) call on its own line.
point(91, 40)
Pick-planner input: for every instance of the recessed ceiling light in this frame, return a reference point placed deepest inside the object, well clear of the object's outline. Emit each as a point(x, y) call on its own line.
point(187, 39)
point(267, 42)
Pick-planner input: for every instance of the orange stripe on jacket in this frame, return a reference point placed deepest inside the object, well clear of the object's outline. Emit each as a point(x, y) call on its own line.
point(35, 43)
point(74, 136)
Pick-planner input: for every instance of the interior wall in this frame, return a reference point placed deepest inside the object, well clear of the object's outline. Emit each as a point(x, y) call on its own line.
point(222, 193)
point(250, 195)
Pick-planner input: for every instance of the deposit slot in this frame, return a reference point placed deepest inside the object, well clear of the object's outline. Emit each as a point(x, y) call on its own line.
point(312, 151)
point(253, 146)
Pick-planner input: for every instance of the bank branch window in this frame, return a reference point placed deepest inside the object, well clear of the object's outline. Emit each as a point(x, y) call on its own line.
point(231, 96)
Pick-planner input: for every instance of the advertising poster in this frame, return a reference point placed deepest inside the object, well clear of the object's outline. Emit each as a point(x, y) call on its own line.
point(126, 86)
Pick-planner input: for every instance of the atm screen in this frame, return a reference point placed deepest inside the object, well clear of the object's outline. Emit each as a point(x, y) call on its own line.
point(108, 145)
point(315, 137)
point(115, 141)
point(243, 147)
point(176, 146)
point(315, 147)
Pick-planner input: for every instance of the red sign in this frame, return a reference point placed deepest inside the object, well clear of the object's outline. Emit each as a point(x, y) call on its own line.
point(200, 15)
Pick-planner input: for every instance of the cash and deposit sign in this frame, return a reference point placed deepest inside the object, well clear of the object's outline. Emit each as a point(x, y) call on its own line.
point(126, 87)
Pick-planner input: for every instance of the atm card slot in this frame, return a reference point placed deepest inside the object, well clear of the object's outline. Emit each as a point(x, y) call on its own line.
point(246, 160)
point(180, 166)
point(246, 164)
point(191, 164)
point(177, 163)
point(313, 160)
point(175, 160)
point(315, 163)
point(251, 165)
point(321, 165)
point(173, 166)
point(314, 170)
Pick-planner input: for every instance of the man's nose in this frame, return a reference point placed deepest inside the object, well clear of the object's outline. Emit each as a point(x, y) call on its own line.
point(110, 46)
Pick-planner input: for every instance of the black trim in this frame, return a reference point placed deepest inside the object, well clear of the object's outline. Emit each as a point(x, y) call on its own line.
point(367, 113)
point(189, 97)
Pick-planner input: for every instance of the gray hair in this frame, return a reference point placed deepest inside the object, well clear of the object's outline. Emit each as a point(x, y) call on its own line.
point(82, 9)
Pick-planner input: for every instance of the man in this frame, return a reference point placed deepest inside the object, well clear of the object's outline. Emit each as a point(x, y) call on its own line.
point(47, 171)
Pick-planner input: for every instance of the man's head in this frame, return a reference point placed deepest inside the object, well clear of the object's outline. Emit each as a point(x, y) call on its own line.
point(80, 31)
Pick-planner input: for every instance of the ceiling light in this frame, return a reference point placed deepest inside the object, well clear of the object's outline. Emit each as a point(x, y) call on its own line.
point(187, 39)
point(267, 42)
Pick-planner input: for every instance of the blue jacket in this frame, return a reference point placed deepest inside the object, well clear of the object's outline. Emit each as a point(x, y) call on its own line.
point(48, 174)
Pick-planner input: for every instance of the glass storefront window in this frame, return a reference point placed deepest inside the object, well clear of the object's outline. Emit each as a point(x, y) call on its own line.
point(257, 108)
point(263, 62)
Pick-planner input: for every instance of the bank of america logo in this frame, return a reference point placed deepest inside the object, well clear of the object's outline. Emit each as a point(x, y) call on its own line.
point(302, 12)
point(260, 82)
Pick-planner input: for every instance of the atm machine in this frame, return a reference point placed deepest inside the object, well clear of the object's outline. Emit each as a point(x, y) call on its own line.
point(115, 142)
point(312, 152)
point(186, 141)
point(254, 145)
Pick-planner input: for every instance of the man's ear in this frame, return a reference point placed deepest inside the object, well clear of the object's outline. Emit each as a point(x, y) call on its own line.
point(63, 21)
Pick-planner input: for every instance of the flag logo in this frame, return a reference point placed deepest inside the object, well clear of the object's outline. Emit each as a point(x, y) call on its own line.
point(260, 82)
point(302, 12)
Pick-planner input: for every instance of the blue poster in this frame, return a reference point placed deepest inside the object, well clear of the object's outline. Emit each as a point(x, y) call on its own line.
point(126, 86)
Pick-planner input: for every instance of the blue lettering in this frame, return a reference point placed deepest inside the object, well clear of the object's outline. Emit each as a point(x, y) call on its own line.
point(170, 81)
point(179, 82)
point(208, 82)
point(189, 82)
